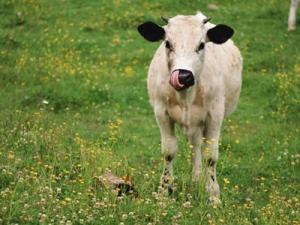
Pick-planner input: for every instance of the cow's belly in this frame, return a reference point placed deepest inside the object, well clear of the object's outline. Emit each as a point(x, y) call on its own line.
point(190, 119)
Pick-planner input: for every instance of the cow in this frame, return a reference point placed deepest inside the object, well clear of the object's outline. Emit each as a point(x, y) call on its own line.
point(194, 80)
point(292, 15)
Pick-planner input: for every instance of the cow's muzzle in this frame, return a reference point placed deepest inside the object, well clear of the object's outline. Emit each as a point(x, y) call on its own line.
point(181, 79)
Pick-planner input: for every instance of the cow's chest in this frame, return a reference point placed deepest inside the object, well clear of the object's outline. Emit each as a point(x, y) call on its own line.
point(190, 115)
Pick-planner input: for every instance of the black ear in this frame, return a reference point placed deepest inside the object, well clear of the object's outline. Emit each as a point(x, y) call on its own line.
point(219, 34)
point(151, 32)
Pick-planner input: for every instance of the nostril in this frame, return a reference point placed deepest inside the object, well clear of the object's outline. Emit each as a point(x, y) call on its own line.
point(181, 71)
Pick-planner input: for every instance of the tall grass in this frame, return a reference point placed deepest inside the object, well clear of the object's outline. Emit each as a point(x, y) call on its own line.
point(74, 104)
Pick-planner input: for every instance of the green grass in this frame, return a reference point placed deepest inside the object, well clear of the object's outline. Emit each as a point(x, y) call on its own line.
point(74, 103)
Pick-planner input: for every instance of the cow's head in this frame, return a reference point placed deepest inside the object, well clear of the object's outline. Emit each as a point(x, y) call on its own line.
point(185, 38)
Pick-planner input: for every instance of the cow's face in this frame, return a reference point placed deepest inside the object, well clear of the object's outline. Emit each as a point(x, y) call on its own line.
point(184, 39)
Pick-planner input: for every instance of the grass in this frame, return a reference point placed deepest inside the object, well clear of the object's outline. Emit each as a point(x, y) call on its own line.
point(74, 104)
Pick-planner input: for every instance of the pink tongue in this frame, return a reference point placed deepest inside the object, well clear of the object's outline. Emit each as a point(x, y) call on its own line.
point(174, 80)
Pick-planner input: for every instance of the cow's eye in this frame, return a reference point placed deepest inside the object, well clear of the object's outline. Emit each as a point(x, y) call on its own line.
point(200, 47)
point(169, 46)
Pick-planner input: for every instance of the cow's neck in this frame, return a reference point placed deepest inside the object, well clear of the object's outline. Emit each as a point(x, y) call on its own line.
point(186, 98)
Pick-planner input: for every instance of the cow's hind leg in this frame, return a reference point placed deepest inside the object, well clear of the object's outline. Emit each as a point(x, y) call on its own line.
point(169, 149)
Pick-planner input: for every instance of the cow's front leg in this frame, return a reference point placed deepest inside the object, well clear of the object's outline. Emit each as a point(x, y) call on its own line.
point(211, 153)
point(212, 186)
point(195, 142)
point(168, 148)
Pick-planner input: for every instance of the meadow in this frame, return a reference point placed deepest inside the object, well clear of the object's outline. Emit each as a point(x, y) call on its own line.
point(73, 104)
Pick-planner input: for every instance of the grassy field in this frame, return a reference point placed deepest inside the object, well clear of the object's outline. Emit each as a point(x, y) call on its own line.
point(74, 103)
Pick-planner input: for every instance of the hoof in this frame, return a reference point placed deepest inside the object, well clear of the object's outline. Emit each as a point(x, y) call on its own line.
point(165, 190)
point(290, 29)
point(214, 201)
point(196, 177)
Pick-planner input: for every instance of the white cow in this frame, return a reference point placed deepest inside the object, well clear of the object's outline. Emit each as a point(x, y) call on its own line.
point(194, 80)
point(292, 15)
